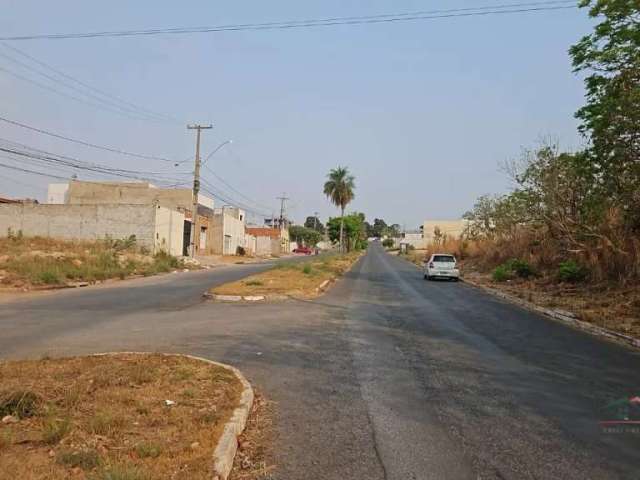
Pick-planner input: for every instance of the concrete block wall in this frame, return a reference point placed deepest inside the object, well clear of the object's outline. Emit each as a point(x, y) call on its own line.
point(81, 222)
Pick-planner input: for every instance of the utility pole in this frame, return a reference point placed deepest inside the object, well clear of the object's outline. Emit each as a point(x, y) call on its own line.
point(282, 199)
point(196, 188)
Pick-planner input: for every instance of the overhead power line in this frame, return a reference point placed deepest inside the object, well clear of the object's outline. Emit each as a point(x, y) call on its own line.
point(82, 142)
point(99, 95)
point(325, 22)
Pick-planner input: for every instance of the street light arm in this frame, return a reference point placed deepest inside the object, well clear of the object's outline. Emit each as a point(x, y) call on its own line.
point(216, 149)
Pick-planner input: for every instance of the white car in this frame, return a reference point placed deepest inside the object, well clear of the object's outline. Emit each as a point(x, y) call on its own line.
point(441, 265)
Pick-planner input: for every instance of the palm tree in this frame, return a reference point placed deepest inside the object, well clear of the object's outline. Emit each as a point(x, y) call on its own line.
point(339, 189)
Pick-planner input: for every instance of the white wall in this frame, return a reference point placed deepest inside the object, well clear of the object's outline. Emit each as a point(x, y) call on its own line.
point(169, 230)
point(57, 193)
point(82, 222)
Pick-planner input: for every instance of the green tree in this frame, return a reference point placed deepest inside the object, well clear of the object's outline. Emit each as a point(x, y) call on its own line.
point(339, 188)
point(307, 236)
point(353, 231)
point(314, 223)
point(610, 56)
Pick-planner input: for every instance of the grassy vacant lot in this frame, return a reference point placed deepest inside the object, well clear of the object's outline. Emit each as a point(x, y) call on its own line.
point(106, 417)
point(291, 278)
point(36, 261)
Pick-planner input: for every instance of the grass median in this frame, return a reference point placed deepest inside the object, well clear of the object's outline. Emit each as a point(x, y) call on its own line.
point(294, 279)
point(125, 417)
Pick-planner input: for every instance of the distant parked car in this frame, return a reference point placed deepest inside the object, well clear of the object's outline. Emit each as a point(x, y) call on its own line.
point(441, 265)
point(304, 250)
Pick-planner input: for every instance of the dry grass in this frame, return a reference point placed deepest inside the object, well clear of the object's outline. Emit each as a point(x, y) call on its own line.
point(98, 418)
point(299, 280)
point(28, 262)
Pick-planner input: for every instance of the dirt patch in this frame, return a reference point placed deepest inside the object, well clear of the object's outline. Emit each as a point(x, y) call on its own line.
point(133, 417)
point(254, 459)
point(28, 263)
point(300, 280)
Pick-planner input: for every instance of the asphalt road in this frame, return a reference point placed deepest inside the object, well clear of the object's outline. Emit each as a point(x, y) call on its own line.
point(385, 377)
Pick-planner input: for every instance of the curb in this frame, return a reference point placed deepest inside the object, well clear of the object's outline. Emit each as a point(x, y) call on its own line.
point(261, 298)
point(563, 316)
point(225, 451)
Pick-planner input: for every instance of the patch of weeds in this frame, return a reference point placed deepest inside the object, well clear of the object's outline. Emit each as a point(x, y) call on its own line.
point(254, 283)
point(141, 374)
point(121, 472)
point(142, 410)
point(21, 403)
point(49, 277)
point(572, 271)
point(307, 269)
point(54, 429)
point(184, 372)
point(148, 450)
point(520, 267)
point(85, 459)
point(105, 423)
point(71, 397)
point(501, 274)
point(188, 393)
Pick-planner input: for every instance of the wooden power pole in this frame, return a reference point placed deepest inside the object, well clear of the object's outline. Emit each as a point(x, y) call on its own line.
point(196, 189)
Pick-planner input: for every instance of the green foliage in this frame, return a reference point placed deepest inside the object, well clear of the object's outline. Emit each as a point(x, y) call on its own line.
point(121, 472)
point(388, 243)
point(21, 404)
point(339, 188)
point(520, 268)
point(501, 274)
point(572, 271)
point(610, 56)
point(148, 450)
point(307, 268)
point(304, 235)
point(54, 429)
point(85, 459)
point(121, 244)
point(315, 224)
point(354, 230)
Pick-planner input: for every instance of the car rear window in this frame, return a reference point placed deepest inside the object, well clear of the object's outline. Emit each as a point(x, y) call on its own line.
point(443, 258)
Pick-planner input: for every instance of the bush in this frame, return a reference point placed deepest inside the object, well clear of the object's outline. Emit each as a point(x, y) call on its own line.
point(241, 251)
point(22, 404)
point(306, 269)
point(572, 271)
point(85, 459)
point(520, 267)
point(388, 243)
point(501, 273)
point(54, 429)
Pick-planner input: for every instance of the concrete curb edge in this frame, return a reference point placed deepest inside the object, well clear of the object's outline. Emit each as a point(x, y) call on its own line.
point(225, 451)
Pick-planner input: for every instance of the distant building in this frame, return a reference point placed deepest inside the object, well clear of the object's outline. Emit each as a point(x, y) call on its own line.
point(433, 230)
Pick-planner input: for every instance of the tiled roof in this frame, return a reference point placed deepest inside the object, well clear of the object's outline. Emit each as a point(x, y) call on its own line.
point(263, 232)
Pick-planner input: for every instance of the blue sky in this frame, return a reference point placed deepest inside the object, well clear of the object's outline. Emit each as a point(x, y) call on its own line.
point(421, 112)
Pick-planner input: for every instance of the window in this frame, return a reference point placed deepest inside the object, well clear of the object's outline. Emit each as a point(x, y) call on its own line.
point(443, 259)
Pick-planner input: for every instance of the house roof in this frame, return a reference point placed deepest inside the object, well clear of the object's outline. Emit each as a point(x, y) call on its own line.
point(263, 232)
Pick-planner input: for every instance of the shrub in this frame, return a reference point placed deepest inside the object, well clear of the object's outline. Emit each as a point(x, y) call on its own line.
point(49, 277)
point(22, 404)
point(388, 243)
point(572, 271)
point(520, 267)
point(122, 472)
point(254, 283)
point(306, 269)
point(54, 429)
point(85, 459)
point(241, 251)
point(501, 273)
point(148, 450)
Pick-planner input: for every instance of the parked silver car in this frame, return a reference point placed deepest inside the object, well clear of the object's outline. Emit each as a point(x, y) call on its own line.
point(441, 265)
